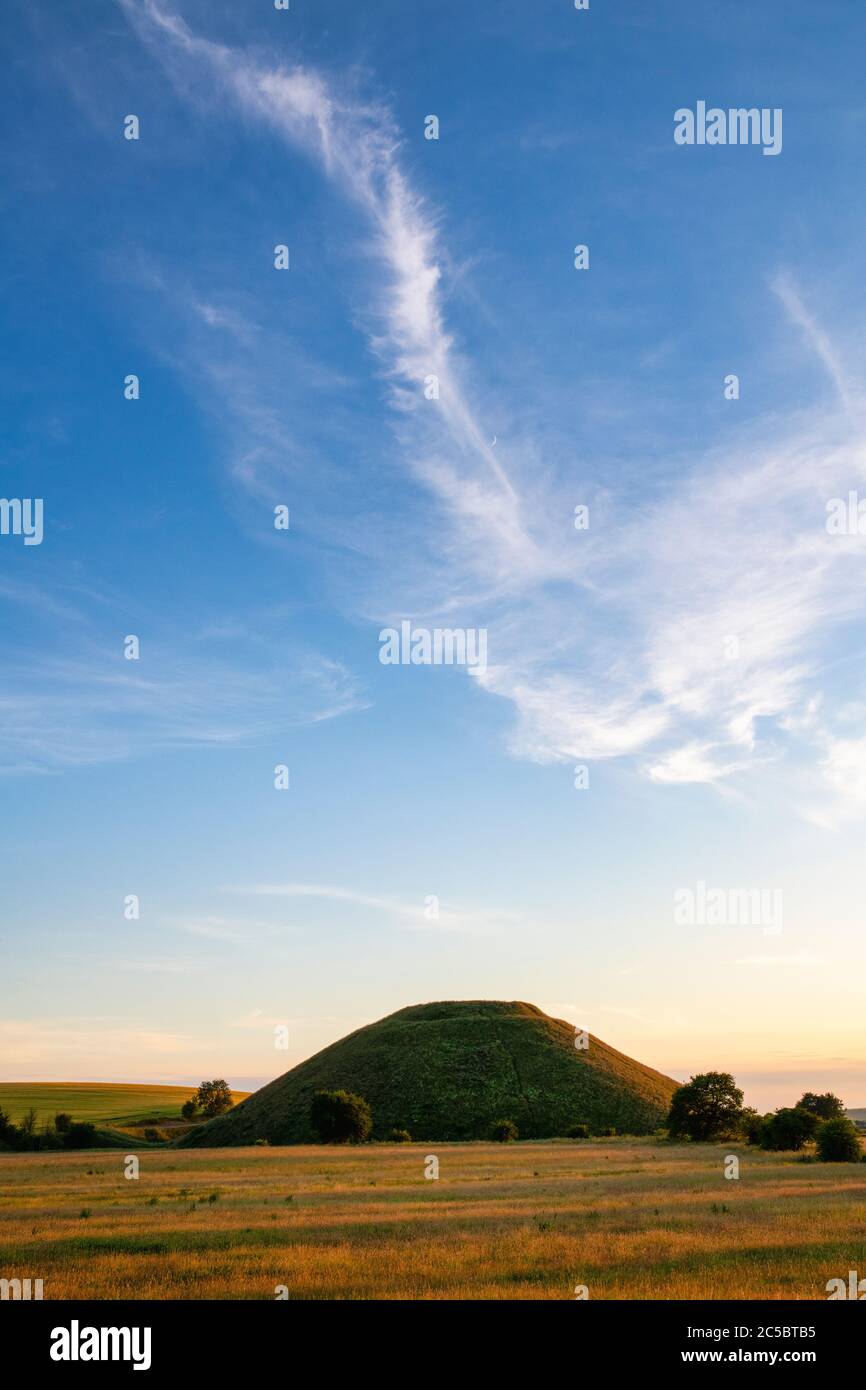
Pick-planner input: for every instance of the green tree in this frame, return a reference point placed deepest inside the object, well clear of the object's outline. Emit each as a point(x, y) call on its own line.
point(28, 1124)
point(826, 1106)
point(188, 1109)
point(788, 1128)
point(338, 1117)
point(838, 1142)
point(707, 1107)
point(62, 1121)
point(213, 1098)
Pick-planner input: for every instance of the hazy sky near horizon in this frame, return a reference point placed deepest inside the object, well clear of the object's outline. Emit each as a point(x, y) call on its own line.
point(698, 648)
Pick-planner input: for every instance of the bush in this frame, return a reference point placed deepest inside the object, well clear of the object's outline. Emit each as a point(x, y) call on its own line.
point(751, 1126)
point(188, 1109)
point(788, 1128)
point(608, 1132)
point(577, 1132)
point(504, 1132)
point(338, 1117)
point(62, 1121)
point(263, 1143)
point(10, 1136)
point(48, 1139)
point(838, 1142)
point(80, 1135)
point(399, 1136)
point(154, 1135)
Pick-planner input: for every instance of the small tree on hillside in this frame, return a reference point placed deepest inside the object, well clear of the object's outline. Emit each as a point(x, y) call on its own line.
point(188, 1109)
point(28, 1124)
point(838, 1141)
point(213, 1098)
point(788, 1128)
point(707, 1107)
point(338, 1117)
point(826, 1106)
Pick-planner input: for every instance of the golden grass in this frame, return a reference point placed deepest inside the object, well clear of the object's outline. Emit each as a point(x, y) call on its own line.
point(628, 1218)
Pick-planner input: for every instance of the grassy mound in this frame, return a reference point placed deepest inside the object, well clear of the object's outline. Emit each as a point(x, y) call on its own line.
point(449, 1072)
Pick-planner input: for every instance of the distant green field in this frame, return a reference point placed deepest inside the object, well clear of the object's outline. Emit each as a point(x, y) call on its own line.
point(103, 1104)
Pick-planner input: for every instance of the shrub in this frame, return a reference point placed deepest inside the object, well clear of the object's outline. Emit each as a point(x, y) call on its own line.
point(788, 1128)
point(62, 1121)
point(263, 1143)
point(10, 1135)
point(838, 1142)
point(751, 1125)
point(399, 1136)
point(608, 1132)
point(188, 1109)
point(48, 1139)
point(80, 1135)
point(338, 1117)
point(504, 1132)
point(577, 1132)
point(154, 1135)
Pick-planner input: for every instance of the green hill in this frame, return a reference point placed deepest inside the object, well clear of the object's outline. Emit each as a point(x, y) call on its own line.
point(450, 1071)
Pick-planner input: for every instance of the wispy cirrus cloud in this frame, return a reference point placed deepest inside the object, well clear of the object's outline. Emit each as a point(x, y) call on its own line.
point(427, 914)
point(84, 703)
point(689, 636)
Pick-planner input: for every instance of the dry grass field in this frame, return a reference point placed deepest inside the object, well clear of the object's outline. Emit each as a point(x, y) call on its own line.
point(628, 1218)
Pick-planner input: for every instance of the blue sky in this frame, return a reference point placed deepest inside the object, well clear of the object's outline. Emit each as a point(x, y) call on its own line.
point(608, 647)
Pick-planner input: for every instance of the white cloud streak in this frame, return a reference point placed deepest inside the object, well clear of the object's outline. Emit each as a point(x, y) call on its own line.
point(614, 642)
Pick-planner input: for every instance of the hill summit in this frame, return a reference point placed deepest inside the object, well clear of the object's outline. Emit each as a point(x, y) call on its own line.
point(451, 1071)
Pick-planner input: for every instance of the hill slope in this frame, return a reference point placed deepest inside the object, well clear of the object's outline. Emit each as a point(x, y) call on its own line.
point(101, 1102)
point(450, 1071)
